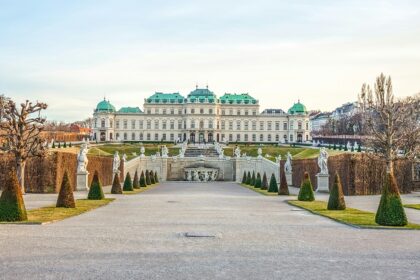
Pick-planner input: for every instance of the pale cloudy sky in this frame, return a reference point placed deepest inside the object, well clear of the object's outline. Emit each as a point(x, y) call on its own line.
point(71, 54)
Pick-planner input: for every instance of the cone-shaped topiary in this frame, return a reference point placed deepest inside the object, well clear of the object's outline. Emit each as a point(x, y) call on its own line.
point(59, 144)
point(136, 183)
point(128, 184)
point(70, 145)
point(244, 178)
point(390, 211)
point(273, 184)
point(152, 178)
point(65, 144)
point(264, 185)
point(253, 178)
point(53, 145)
point(359, 148)
point(142, 180)
point(148, 181)
point(156, 178)
point(284, 188)
point(306, 192)
point(95, 191)
point(336, 200)
point(116, 185)
point(65, 196)
point(248, 178)
point(258, 182)
point(12, 207)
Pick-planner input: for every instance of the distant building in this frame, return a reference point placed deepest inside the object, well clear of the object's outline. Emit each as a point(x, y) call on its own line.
point(347, 109)
point(200, 117)
point(319, 120)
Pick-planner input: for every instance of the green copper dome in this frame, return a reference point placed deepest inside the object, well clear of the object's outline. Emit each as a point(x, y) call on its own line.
point(104, 106)
point(297, 109)
point(201, 94)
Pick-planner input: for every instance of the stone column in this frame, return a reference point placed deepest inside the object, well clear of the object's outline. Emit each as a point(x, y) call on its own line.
point(323, 182)
point(82, 181)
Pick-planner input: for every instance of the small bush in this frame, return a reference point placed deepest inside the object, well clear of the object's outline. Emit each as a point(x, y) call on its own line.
point(359, 148)
point(156, 178)
point(136, 183)
point(70, 145)
point(128, 184)
point(258, 183)
point(148, 181)
point(12, 206)
point(248, 178)
point(53, 145)
point(59, 145)
point(390, 211)
point(244, 178)
point(264, 185)
point(306, 192)
point(142, 180)
point(152, 178)
point(95, 191)
point(335, 147)
point(336, 199)
point(65, 144)
point(116, 185)
point(273, 184)
point(65, 196)
point(253, 178)
point(284, 188)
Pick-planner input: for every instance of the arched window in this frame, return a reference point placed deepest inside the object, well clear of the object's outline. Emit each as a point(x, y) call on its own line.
point(102, 123)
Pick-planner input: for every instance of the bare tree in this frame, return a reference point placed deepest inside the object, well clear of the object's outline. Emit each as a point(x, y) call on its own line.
point(20, 128)
point(392, 125)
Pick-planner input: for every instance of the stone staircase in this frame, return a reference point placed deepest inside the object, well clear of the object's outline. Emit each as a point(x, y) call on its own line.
point(196, 152)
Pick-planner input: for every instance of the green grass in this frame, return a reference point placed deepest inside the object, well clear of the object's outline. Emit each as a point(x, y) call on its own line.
point(129, 149)
point(350, 216)
point(53, 214)
point(260, 191)
point(413, 206)
point(136, 191)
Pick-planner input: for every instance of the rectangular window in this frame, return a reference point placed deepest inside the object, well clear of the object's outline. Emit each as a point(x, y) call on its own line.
point(156, 110)
point(141, 125)
point(254, 126)
point(172, 137)
point(277, 138)
point(307, 126)
point(230, 138)
point(179, 111)
point(254, 112)
point(238, 125)
point(149, 124)
point(231, 112)
point(285, 126)
point(133, 136)
point(246, 137)
point(164, 125)
point(299, 125)
point(210, 111)
point(201, 111)
point(254, 138)
point(210, 124)
point(156, 137)
point(238, 137)
point(164, 136)
point(223, 124)
point(291, 137)
point(269, 138)
point(223, 112)
point(246, 112)
point(164, 111)
point(141, 137)
point(277, 125)
point(172, 125)
point(246, 125)
point(230, 125)
point(261, 137)
point(291, 125)
point(238, 112)
point(148, 136)
point(269, 125)
point(261, 125)
point(117, 124)
point(149, 111)
point(179, 124)
point(193, 124)
point(192, 111)
point(125, 124)
point(172, 111)
point(133, 124)
point(156, 124)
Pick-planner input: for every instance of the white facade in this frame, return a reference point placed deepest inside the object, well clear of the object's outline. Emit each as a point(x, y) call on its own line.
point(201, 117)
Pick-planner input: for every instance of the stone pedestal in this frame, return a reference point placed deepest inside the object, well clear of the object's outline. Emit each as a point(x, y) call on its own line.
point(323, 183)
point(289, 178)
point(82, 181)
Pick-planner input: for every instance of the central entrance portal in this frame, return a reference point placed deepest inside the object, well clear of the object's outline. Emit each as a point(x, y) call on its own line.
point(201, 137)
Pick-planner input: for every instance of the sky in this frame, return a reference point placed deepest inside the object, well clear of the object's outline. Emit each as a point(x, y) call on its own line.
point(72, 54)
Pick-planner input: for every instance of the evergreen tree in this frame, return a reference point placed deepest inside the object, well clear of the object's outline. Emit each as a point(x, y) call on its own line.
point(65, 196)
point(116, 185)
point(95, 191)
point(273, 184)
point(136, 183)
point(359, 148)
point(70, 144)
point(128, 184)
point(244, 178)
point(264, 185)
point(53, 145)
point(248, 178)
point(59, 145)
point(335, 147)
point(142, 180)
point(152, 178)
point(253, 178)
point(156, 178)
point(306, 192)
point(284, 188)
point(148, 181)
point(390, 211)
point(65, 144)
point(258, 183)
point(336, 199)
point(12, 206)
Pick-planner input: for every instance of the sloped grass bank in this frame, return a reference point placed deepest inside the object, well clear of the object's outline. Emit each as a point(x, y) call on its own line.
point(142, 189)
point(260, 191)
point(412, 206)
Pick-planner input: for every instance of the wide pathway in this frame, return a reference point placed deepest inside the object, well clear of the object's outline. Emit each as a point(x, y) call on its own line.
point(254, 237)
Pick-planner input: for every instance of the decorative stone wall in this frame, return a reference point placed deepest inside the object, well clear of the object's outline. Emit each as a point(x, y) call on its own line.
point(259, 165)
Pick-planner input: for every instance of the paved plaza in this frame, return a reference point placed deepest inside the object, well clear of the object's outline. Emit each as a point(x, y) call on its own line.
point(251, 236)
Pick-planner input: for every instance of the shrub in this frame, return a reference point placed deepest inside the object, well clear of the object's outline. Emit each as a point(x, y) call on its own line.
point(248, 178)
point(12, 206)
point(390, 211)
point(156, 178)
point(359, 148)
point(128, 184)
point(136, 183)
point(244, 178)
point(116, 185)
point(65, 196)
point(306, 192)
point(336, 200)
point(335, 147)
point(53, 145)
point(70, 144)
point(95, 191)
point(264, 185)
point(152, 178)
point(65, 144)
point(253, 178)
point(258, 182)
point(273, 184)
point(284, 188)
point(345, 148)
point(59, 145)
point(148, 181)
point(142, 180)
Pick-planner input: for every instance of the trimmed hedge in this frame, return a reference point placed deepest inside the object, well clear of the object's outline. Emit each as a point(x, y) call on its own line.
point(65, 196)
point(284, 188)
point(336, 199)
point(12, 206)
point(136, 184)
point(128, 184)
point(390, 211)
point(253, 178)
point(306, 192)
point(264, 185)
point(148, 181)
point(95, 191)
point(248, 178)
point(142, 180)
point(273, 184)
point(156, 178)
point(244, 178)
point(152, 178)
point(258, 183)
point(116, 185)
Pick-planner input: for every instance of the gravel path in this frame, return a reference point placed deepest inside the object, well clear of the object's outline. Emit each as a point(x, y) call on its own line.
point(255, 237)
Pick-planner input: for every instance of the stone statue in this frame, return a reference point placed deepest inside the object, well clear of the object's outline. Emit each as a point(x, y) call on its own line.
point(322, 161)
point(116, 163)
point(222, 154)
point(237, 152)
point(288, 164)
point(259, 151)
point(142, 150)
point(82, 160)
point(356, 146)
point(124, 157)
point(278, 159)
point(164, 152)
point(348, 146)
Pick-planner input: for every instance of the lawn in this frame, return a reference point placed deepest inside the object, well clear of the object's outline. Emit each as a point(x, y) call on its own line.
point(136, 191)
point(350, 216)
point(53, 214)
point(263, 192)
point(413, 206)
point(131, 150)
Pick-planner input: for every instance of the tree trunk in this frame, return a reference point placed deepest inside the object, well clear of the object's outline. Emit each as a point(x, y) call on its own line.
point(20, 171)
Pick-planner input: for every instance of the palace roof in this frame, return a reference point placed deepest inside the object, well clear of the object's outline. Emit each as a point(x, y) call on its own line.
point(233, 98)
point(297, 109)
point(130, 110)
point(160, 97)
point(105, 106)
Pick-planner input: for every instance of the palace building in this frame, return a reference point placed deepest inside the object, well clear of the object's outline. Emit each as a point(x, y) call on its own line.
point(200, 117)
